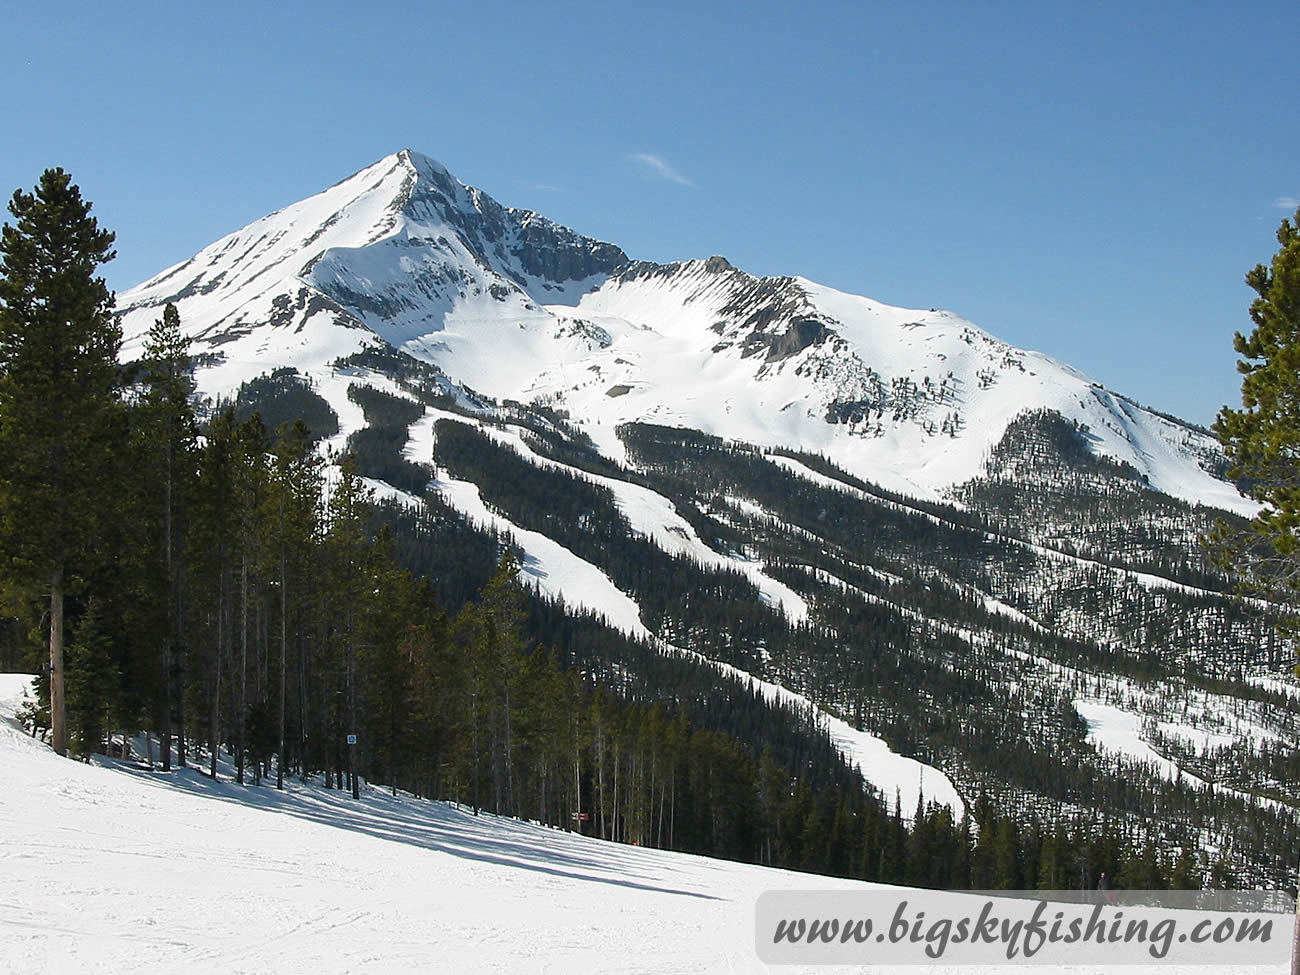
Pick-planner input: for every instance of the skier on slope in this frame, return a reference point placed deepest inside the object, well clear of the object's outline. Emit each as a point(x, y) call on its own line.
point(1106, 888)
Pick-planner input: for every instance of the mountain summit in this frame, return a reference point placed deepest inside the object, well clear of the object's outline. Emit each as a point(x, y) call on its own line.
point(515, 306)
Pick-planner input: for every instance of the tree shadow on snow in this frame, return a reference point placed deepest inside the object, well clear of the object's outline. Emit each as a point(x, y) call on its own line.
point(431, 825)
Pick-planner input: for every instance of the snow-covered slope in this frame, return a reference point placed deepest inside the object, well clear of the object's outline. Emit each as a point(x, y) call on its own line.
point(112, 868)
point(556, 572)
point(517, 307)
point(400, 252)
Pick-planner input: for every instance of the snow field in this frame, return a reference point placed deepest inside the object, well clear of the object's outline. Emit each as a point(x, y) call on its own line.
point(110, 868)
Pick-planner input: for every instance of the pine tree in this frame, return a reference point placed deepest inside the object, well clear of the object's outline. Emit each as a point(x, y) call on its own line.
point(1186, 873)
point(58, 392)
point(214, 526)
point(294, 499)
point(348, 557)
point(168, 436)
point(1262, 440)
point(501, 611)
point(386, 665)
point(92, 681)
point(252, 475)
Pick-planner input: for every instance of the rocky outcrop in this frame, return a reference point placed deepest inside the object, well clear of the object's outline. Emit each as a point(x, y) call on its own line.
point(547, 250)
point(514, 243)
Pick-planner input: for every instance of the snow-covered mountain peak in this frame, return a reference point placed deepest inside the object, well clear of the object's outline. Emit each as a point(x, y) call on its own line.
point(394, 253)
point(519, 307)
point(418, 161)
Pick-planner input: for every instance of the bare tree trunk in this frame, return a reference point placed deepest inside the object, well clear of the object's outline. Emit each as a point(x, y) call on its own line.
point(214, 698)
point(672, 811)
point(165, 732)
point(304, 702)
point(577, 778)
point(58, 707)
point(473, 720)
point(541, 794)
point(284, 654)
point(241, 717)
point(600, 778)
point(180, 704)
point(509, 755)
point(263, 651)
point(613, 819)
point(352, 712)
point(659, 833)
point(650, 810)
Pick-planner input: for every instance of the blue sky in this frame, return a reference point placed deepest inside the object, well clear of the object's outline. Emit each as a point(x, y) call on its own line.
point(1090, 180)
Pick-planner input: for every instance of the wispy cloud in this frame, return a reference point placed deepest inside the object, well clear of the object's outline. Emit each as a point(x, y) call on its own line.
point(1287, 203)
point(542, 187)
point(660, 167)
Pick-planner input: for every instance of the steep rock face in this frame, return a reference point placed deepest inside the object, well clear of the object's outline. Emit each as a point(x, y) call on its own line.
point(768, 316)
point(544, 249)
point(516, 244)
point(450, 247)
point(518, 307)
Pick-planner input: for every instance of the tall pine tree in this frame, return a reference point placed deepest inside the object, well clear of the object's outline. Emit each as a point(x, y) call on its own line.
point(168, 442)
point(59, 387)
point(347, 551)
point(294, 497)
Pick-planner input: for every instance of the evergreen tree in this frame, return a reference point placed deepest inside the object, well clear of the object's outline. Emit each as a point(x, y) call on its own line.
point(58, 393)
point(1262, 439)
point(92, 681)
point(386, 664)
point(166, 430)
point(215, 526)
point(251, 479)
point(347, 553)
point(294, 499)
point(1186, 874)
point(501, 611)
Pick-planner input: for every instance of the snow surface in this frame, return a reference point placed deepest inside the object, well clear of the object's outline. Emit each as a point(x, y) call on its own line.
point(112, 868)
point(1120, 731)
